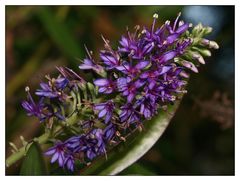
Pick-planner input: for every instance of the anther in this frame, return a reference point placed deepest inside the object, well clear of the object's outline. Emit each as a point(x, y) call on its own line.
point(155, 16)
point(27, 89)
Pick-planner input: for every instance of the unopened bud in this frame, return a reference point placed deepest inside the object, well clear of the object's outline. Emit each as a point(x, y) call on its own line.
point(197, 29)
point(189, 65)
point(184, 74)
point(213, 44)
point(206, 53)
point(198, 57)
point(208, 30)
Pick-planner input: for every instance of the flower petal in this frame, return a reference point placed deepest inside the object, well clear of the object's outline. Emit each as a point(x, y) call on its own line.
point(55, 157)
point(142, 65)
point(171, 38)
point(168, 56)
point(50, 151)
point(102, 113)
point(101, 82)
point(183, 28)
point(165, 69)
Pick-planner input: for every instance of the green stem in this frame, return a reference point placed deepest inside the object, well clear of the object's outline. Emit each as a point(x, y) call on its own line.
point(41, 140)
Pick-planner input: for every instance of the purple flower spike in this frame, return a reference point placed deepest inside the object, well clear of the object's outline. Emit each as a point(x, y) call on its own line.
point(57, 153)
point(105, 86)
point(105, 110)
point(148, 71)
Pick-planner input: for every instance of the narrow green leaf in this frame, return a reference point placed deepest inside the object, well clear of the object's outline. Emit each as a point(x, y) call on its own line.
point(125, 154)
point(33, 163)
point(60, 33)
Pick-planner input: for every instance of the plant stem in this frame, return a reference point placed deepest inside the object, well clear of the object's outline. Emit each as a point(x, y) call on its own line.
point(41, 140)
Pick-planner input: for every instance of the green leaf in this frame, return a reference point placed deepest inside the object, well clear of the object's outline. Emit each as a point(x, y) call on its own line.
point(125, 154)
point(33, 163)
point(60, 33)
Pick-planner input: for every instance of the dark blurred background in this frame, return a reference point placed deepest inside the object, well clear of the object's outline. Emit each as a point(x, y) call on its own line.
point(199, 139)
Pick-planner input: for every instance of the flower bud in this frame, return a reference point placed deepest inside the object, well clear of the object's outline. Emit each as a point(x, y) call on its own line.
point(203, 51)
point(198, 57)
point(205, 42)
point(213, 44)
point(207, 30)
point(189, 65)
point(184, 74)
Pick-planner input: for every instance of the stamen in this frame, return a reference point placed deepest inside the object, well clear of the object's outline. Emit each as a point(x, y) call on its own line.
point(155, 16)
point(167, 22)
point(175, 22)
point(89, 53)
point(143, 31)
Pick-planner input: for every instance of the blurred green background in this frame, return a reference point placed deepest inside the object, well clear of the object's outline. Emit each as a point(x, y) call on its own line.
point(200, 138)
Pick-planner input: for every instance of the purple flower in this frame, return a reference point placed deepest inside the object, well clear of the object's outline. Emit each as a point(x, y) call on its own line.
point(57, 153)
point(129, 114)
point(109, 131)
point(181, 46)
point(152, 76)
point(128, 44)
point(134, 48)
point(126, 68)
point(147, 107)
point(176, 31)
point(105, 86)
point(105, 110)
point(32, 108)
point(91, 144)
point(53, 89)
point(128, 87)
point(109, 59)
